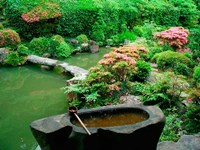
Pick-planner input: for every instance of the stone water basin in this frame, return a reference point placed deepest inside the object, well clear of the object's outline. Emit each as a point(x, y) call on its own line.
point(115, 127)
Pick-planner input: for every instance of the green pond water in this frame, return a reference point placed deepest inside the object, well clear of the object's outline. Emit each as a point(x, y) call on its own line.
point(87, 60)
point(28, 93)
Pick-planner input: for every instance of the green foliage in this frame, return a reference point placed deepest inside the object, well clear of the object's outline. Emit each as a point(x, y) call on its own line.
point(14, 59)
point(143, 71)
point(109, 80)
point(82, 39)
point(9, 38)
point(172, 129)
point(196, 74)
point(39, 46)
point(192, 118)
point(23, 50)
point(169, 59)
point(55, 46)
point(98, 29)
point(64, 50)
point(165, 91)
point(13, 12)
point(1, 26)
point(99, 20)
point(54, 43)
point(189, 14)
point(120, 38)
point(181, 69)
point(142, 31)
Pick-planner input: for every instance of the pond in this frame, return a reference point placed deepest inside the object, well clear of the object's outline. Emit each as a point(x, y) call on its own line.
point(28, 93)
point(87, 60)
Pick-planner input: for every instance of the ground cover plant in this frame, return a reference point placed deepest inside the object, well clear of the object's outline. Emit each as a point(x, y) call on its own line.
point(158, 32)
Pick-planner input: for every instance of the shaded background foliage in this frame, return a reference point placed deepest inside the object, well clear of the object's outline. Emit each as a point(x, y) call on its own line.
point(101, 18)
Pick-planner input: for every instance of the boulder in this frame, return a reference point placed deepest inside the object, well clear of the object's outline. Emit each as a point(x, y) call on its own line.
point(186, 142)
point(3, 54)
point(94, 47)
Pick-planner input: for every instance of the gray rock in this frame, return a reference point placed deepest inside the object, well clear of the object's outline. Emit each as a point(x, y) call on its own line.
point(47, 55)
point(85, 47)
point(44, 67)
point(126, 42)
point(41, 60)
point(94, 47)
point(186, 142)
point(74, 70)
point(130, 99)
point(73, 42)
point(169, 145)
point(3, 54)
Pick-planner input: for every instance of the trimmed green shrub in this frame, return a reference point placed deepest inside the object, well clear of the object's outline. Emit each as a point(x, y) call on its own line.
point(169, 59)
point(196, 74)
point(54, 42)
point(143, 71)
point(9, 38)
point(40, 46)
point(14, 59)
point(82, 38)
point(64, 50)
point(57, 38)
point(23, 50)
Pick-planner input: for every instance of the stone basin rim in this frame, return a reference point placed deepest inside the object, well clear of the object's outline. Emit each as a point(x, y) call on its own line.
point(154, 115)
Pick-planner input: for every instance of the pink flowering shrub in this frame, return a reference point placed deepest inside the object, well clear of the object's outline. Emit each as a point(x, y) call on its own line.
point(9, 37)
point(44, 12)
point(175, 37)
point(109, 80)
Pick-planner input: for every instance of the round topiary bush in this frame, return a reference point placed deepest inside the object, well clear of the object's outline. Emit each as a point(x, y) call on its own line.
point(9, 38)
point(64, 50)
point(82, 39)
point(169, 59)
point(14, 59)
point(40, 46)
point(23, 50)
point(143, 71)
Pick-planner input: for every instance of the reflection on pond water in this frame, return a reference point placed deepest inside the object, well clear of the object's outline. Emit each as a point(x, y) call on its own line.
point(27, 94)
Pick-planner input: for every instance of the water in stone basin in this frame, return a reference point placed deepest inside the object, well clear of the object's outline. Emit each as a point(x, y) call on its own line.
point(117, 119)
